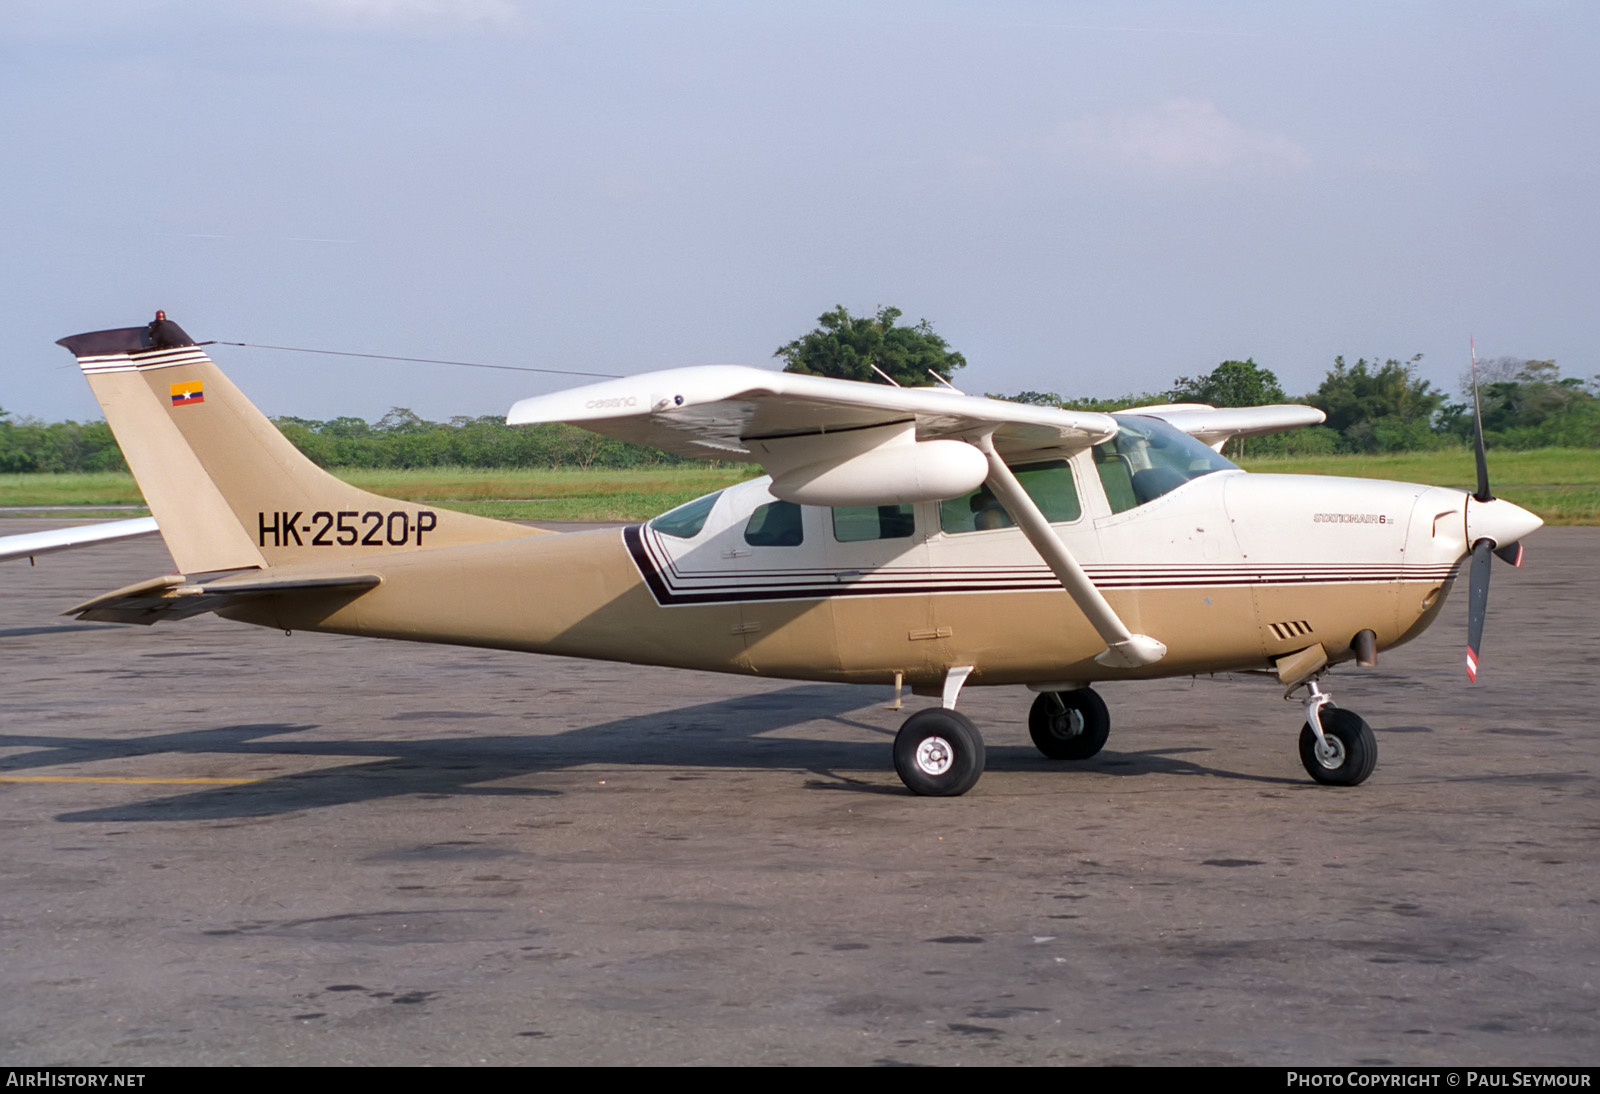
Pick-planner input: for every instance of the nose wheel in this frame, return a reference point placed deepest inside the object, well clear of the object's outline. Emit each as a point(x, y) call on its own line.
point(1336, 746)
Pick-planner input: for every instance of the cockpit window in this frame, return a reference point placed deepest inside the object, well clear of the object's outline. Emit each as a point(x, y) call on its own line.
point(686, 521)
point(1050, 485)
point(1148, 458)
point(775, 524)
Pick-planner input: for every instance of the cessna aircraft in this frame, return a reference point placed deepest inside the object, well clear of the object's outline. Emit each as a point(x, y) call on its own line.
point(903, 536)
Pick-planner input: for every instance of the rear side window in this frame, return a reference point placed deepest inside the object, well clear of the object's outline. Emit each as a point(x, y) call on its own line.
point(858, 523)
point(1050, 485)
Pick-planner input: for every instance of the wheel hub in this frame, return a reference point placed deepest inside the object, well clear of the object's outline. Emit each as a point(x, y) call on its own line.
point(1330, 752)
point(1067, 725)
point(934, 756)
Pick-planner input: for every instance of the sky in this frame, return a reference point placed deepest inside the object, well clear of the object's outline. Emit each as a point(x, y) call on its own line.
point(1086, 198)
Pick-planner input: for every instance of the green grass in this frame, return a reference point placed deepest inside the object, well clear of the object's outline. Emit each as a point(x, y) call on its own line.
point(508, 494)
point(78, 488)
point(1562, 485)
point(1449, 467)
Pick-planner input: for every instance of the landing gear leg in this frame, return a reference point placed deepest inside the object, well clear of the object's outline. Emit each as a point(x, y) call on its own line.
point(1336, 746)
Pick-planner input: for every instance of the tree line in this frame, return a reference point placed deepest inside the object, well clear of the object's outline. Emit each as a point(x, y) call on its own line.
point(1371, 406)
point(400, 439)
point(1386, 407)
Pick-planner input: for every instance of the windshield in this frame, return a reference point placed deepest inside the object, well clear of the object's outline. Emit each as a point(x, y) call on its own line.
point(685, 521)
point(1148, 458)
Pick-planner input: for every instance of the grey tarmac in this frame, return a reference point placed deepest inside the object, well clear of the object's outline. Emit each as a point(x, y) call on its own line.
point(225, 845)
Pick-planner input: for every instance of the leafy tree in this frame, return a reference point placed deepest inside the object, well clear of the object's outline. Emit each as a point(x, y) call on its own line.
point(1099, 406)
point(1232, 383)
point(1375, 408)
point(846, 346)
point(28, 444)
point(402, 419)
point(1528, 404)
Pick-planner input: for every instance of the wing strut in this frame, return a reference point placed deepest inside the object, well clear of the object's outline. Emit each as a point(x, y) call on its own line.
point(1124, 649)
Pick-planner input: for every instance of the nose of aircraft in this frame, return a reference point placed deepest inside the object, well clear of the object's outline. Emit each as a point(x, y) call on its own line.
point(1498, 520)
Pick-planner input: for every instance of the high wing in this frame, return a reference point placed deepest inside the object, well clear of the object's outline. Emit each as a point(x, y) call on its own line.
point(713, 412)
point(823, 441)
point(844, 443)
point(30, 544)
point(1216, 426)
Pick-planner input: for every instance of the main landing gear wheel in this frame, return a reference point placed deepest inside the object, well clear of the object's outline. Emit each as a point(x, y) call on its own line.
point(938, 753)
point(1351, 752)
point(1069, 725)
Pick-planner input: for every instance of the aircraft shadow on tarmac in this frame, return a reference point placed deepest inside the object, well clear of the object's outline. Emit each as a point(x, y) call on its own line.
point(729, 733)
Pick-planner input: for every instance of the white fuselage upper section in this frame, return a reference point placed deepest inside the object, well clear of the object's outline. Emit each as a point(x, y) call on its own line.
point(1224, 529)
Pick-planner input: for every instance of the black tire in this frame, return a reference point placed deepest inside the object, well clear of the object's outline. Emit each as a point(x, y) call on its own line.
point(1354, 749)
point(1069, 725)
point(938, 753)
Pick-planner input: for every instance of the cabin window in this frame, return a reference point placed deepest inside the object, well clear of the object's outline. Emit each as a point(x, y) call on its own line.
point(686, 521)
point(775, 524)
point(1148, 458)
point(1050, 485)
point(858, 523)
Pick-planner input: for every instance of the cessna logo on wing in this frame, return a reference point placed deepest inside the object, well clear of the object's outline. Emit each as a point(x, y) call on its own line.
point(611, 404)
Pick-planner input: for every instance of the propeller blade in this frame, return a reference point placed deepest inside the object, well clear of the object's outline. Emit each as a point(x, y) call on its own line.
point(1483, 493)
point(1477, 603)
point(1511, 552)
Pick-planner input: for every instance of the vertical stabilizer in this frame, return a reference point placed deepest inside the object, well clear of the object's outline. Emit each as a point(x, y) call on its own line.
point(226, 487)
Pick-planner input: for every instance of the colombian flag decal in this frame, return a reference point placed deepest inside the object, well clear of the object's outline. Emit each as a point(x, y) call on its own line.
point(184, 394)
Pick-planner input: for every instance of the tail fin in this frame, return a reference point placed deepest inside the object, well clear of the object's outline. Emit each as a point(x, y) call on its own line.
point(226, 487)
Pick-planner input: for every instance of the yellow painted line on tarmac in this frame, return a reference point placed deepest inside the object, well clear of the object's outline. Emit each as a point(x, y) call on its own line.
point(117, 779)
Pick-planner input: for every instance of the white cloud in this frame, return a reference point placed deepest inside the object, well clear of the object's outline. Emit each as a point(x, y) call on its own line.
point(1183, 136)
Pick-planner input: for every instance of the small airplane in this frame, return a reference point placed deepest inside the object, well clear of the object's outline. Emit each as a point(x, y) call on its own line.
point(902, 536)
point(30, 545)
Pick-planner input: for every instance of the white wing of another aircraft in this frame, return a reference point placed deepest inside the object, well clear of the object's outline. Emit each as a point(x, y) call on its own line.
point(29, 544)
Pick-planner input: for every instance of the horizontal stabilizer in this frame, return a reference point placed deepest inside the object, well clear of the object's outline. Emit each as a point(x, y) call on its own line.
point(176, 596)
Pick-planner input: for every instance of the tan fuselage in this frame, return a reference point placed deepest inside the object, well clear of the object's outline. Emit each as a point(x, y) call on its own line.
point(595, 595)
